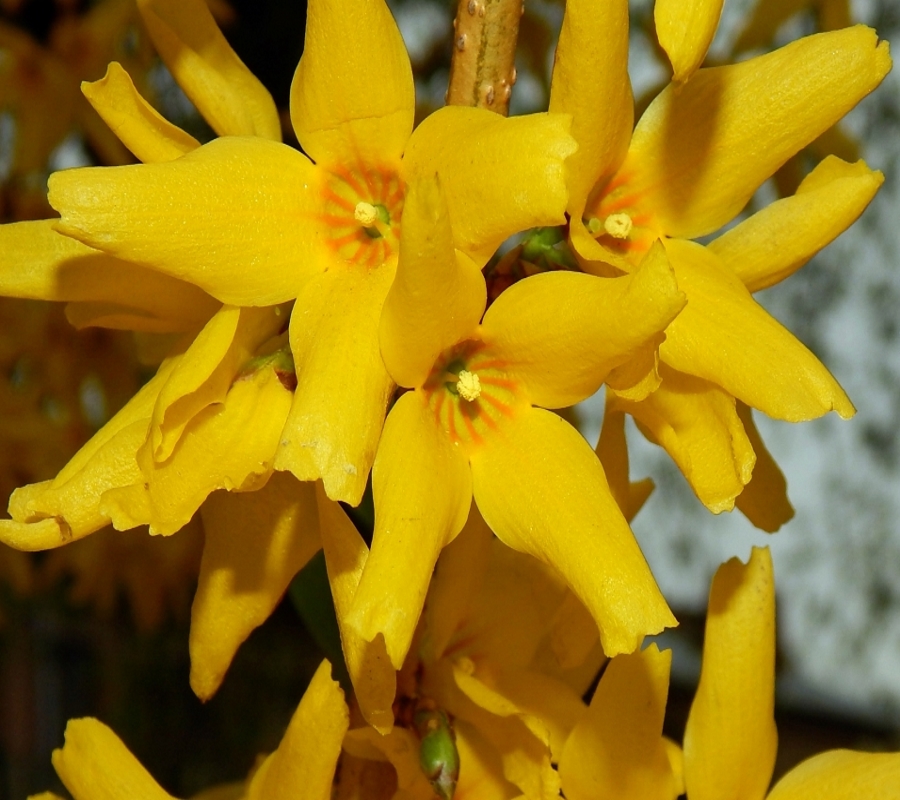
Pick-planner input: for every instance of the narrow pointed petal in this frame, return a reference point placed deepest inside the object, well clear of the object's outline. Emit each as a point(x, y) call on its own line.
point(438, 294)
point(56, 512)
point(94, 764)
point(306, 759)
point(696, 423)
point(840, 774)
point(543, 492)
point(229, 445)
point(617, 748)
point(685, 31)
point(372, 674)
point(38, 263)
point(139, 126)
point(342, 385)
point(230, 98)
point(563, 332)
point(612, 450)
point(206, 371)
point(764, 500)
point(730, 739)
point(757, 114)
point(353, 98)
point(590, 82)
point(423, 489)
point(256, 542)
point(776, 241)
point(231, 217)
point(755, 358)
point(500, 175)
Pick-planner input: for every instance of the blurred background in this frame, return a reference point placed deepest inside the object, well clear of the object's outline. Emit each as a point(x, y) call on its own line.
point(100, 627)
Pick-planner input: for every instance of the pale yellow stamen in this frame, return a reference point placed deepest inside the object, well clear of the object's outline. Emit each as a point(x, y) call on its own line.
point(365, 214)
point(468, 385)
point(618, 225)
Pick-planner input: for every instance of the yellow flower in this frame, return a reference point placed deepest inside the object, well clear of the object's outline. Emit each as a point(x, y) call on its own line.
point(474, 422)
point(731, 740)
point(695, 158)
point(488, 656)
point(94, 764)
point(256, 223)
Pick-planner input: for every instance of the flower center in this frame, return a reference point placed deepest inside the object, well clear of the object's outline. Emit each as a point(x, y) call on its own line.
point(470, 392)
point(361, 209)
point(614, 218)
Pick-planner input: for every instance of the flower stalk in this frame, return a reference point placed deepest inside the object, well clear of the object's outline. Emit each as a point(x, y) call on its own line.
point(482, 70)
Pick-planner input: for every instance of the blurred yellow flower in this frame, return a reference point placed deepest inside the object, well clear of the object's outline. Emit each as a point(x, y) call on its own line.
point(693, 161)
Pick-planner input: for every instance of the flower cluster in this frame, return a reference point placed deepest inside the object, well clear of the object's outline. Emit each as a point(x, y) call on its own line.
point(322, 323)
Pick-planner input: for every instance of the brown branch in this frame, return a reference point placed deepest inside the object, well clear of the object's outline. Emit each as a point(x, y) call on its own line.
point(482, 71)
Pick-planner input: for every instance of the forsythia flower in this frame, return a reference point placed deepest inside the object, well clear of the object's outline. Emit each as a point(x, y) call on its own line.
point(496, 656)
point(695, 158)
point(256, 223)
point(473, 423)
point(94, 764)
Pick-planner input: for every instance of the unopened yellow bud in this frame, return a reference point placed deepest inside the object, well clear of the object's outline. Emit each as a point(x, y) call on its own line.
point(468, 385)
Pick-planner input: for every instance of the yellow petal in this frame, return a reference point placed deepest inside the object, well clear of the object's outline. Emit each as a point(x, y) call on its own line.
point(685, 30)
point(697, 425)
point(352, 99)
point(423, 488)
point(139, 126)
point(224, 91)
point(730, 739)
point(612, 450)
point(480, 767)
point(500, 175)
point(228, 445)
point(455, 586)
point(54, 513)
point(590, 82)
point(543, 697)
point(521, 740)
point(617, 749)
point(230, 217)
point(764, 500)
point(206, 371)
point(373, 676)
point(305, 761)
point(342, 385)
point(438, 294)
point(37, 262)
point(840, 774)
point(562, 332)
point(543, 492)
point(94, 764)
point(256, 542)
point(755, 358)
point(699, 152)
point(778, 240)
